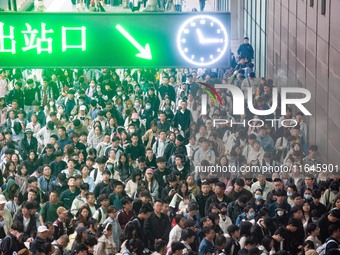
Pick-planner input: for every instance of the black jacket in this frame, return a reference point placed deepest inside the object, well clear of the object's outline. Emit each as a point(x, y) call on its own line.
point(213, 199)
point(155, 228)
point(10, 244)
point(31, 230)
point(37, 243)
point(201, 201)
point(26, 147)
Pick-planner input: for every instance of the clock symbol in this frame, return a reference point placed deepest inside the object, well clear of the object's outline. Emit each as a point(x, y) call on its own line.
point(202, 40)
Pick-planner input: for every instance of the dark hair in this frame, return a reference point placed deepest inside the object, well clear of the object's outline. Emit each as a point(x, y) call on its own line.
point(32, 179)
point(245, 228)
point(20, 167)
point(159, 245)
point(311, 227)
point(79, 247)
point(178, 218)
point(232, 229)
point(126, 200)
point(187, 233)
point(220, 241)
point(221, 185)
point(18, 226)
point(206, 230)
point(90, 241)
point(333, 228)
point(266, 241)
point(102, 197)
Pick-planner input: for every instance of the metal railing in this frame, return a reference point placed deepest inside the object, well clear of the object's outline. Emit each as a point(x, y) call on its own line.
point(222, 5)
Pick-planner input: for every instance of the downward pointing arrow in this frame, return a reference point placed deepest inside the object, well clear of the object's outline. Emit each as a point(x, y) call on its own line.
point(144, 52)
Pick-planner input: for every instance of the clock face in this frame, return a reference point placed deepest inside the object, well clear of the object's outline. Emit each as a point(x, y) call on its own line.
point(202, 40)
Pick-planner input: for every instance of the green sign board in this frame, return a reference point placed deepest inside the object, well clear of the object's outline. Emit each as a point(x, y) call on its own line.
point(114, 40)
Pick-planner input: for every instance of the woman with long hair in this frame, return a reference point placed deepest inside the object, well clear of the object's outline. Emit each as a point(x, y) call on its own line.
point(83, 215)
point(34, 124)
point(113, 124)
point(132, 184)
point(32, 162)
point(96, 138)
point(86, 177)
point(151, 183)
point(105, 244)
point(21, 178)
point(10, 170)
point(50, 107)
point(181, 199)
point(81, 235)
point(124, 141)
point(123, 167)
point(15, 159)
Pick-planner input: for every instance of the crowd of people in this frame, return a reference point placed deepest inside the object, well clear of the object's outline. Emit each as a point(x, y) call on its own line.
point(107, 161)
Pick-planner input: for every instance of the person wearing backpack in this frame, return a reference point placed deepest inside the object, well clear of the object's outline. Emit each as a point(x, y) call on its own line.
point(333, 241)
point(325, 221)
point(10, 244)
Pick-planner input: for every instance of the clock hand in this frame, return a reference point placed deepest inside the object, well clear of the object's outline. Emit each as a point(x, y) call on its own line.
point(203, 40)
point(200, 35)
point(213, 40)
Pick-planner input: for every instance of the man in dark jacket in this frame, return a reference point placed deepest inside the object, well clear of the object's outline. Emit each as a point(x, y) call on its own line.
point(202, 198)
point(157, 227)
point(17, 94)
point(246, 50)
point(134, 148)
point(39, 241)
point(170, 148)
point(325, 221)
point(167, 90)
point(183, 117)
point(28, 143)
point(10, 244)
point(233, 246)
point(169, 191)
point(31, 230)
point(333, 241)
point(218, 198)
point(239, 190)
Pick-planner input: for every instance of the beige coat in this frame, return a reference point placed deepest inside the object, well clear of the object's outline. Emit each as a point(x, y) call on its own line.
point(105, 246)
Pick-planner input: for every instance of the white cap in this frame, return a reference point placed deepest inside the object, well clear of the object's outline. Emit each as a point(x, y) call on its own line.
point(2, 200)
point(82, 108)
point(42, 229)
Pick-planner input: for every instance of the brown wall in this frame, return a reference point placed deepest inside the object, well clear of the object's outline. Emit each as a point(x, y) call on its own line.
point(305, 45)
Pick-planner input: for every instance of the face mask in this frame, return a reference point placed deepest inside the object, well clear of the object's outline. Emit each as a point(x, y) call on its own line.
point(148, 107)
point(224, 212)
point(119, 93)
point(137, 104)
point(132, 131)
point(280, 213)
point(134, 120)
point(289, 194)
point(60, 111)
point(252, 215)
point(308, 197)
point(109, 167)
point(258, 197)
point(98, 89)
point(51, 103)
point(91, 85)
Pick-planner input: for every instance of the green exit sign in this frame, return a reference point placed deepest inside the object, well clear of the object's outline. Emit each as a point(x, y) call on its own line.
point(118, 40)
